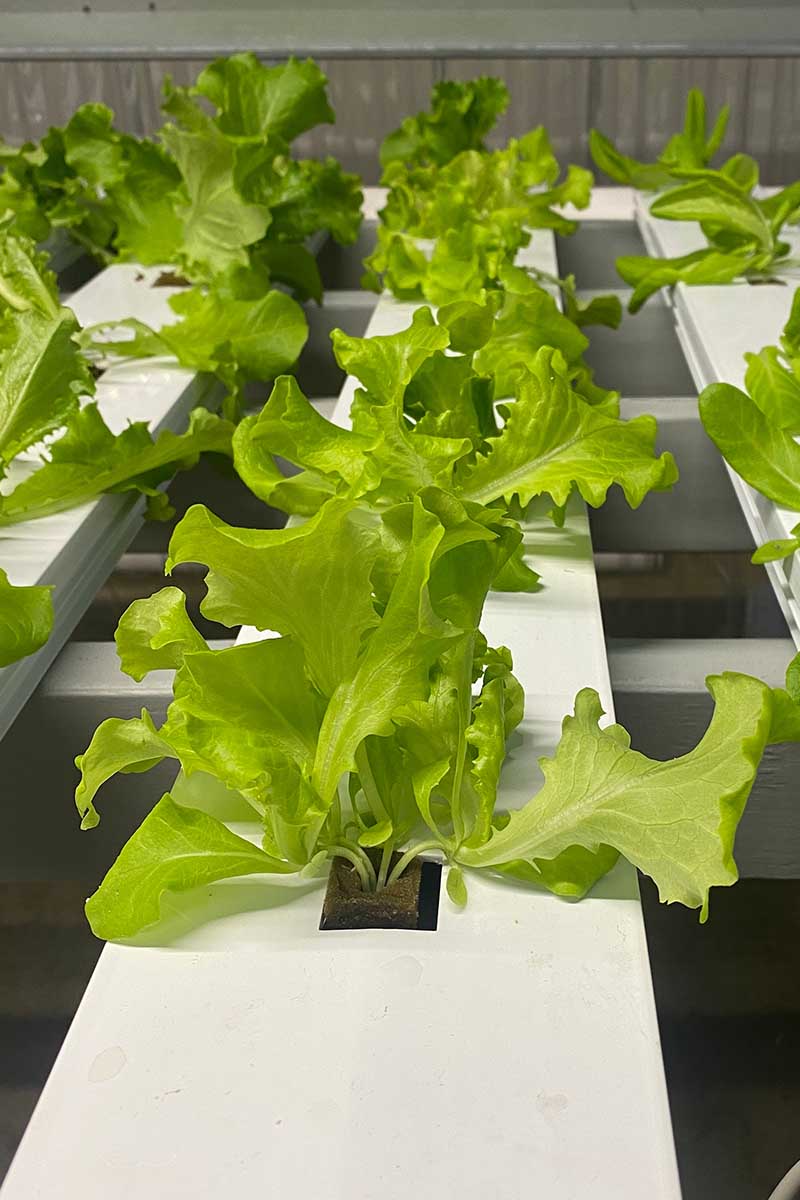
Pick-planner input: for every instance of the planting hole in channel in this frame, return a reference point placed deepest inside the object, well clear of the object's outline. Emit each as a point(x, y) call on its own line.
point(410, 903)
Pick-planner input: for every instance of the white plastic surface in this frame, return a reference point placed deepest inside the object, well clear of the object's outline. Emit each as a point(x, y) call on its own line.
point(76, 550)
point(236, 1050)
point(605, 204)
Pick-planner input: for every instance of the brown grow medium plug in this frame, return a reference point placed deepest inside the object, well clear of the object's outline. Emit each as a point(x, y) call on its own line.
point(171, 279)
point(346, 906)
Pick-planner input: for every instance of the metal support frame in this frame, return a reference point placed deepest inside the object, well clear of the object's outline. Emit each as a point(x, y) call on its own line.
point(181, 29)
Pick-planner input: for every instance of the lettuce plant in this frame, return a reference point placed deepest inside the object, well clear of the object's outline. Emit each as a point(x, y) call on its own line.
point(243, 201)
point(57, 183)
point(218, 196)
point(742, 232)
point(474, 206)
point(211, 194)
point(695, 146)
point(45, 386)
point(426, 415)
point(378, 719)
point(756, 430)
point(461, 116)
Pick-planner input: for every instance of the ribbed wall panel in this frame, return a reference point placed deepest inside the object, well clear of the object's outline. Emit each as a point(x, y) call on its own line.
point(638, 102)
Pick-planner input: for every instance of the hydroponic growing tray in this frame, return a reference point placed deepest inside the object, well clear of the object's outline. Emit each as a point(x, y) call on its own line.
point(238, 1049)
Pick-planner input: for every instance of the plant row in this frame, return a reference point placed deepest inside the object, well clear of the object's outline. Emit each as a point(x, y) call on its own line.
point(373, 725)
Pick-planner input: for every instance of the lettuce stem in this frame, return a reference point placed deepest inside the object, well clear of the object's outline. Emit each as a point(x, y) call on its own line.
point(357, 857)
point(386, 862)
point(409, 857)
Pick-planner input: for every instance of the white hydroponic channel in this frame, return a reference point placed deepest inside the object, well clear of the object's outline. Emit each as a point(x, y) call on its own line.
point(716, 326)
point(237, 1050)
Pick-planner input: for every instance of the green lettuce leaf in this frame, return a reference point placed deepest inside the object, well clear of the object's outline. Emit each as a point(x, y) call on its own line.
point(460, 117)
point(675, 820)
point(715, 198)
point(25, 279)
point(693, 147)
point(256, 577)
point(42, 376)
point(257, 102)
point(393, 668)
point(236, 338)
point(117, 746)
point(778, 548)
point(774, 388)
point(156, 634)
point(648, 275)
point(764, 455)
point(175, 849)
point(217, 224)
point(553, 440)
point(89, 459)
point(242, 712)
point(26, 619)
point(386, 364)
point(524, 325)
point(144, 205)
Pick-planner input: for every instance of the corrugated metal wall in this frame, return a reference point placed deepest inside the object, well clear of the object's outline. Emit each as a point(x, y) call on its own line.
point(639, 102)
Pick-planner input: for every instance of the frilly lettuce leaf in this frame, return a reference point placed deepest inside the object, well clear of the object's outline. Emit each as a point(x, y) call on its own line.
point(256, 102)
point(256, 576)
point(144, 205)
point(476, 208)
point(674, 820)
point(553, 440)
point(426, 418)
point(217, 224)
point(42, 376)
point(156, 634)
point(386, 364)
point(26, 282)
point(117, 746)
point(88, 459)
point(524, 325)
point(236, 337)
point(42, 372)
point(460, 117)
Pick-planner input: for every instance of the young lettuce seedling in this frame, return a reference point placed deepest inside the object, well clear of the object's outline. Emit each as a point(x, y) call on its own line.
point(742, 232)
point(694, 147)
